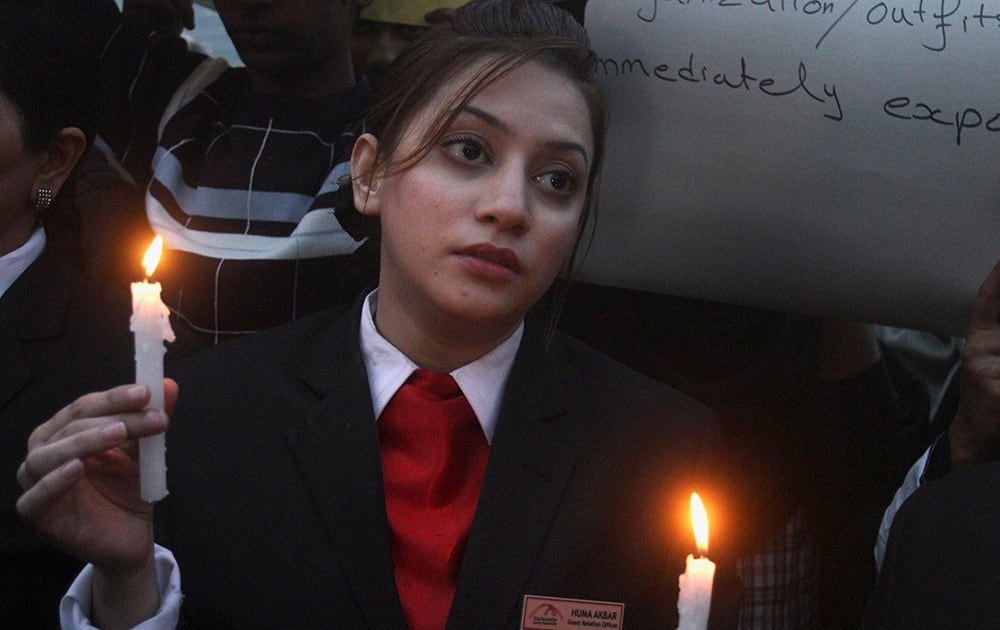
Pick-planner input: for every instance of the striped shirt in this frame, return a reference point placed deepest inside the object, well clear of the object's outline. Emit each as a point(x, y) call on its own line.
point(243, 187)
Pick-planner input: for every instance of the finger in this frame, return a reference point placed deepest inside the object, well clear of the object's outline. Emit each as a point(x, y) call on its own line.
point(122, 399)
point(986, 309)
point(46, 457)
point(135, 423)
point(982, 349)
point(36, 499)
point(23, 478)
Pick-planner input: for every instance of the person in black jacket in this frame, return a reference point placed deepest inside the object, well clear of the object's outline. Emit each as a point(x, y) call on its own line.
point(61, 334)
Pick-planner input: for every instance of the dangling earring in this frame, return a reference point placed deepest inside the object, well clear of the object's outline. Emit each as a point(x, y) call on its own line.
point(44, 198)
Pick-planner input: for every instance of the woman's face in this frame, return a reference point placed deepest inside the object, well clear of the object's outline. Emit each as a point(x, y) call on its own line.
point(476, 231)
point(18, 169)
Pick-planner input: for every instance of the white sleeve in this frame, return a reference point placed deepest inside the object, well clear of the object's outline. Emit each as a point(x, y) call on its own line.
point(910, 484)
point(74, 609)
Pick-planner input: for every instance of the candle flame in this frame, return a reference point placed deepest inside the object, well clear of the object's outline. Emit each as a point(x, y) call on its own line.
point(700, 521)
point(152, 257)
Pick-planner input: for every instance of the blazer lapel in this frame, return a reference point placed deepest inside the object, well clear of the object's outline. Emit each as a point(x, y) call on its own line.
point(531, 458)
point(337, 449)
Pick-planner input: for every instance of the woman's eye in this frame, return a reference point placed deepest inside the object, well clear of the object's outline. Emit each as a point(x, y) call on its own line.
point(467, 150)
point(558, 181)
point(471, 152)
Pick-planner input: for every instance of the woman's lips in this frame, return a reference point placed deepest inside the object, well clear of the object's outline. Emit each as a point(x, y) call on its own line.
point(491, 259)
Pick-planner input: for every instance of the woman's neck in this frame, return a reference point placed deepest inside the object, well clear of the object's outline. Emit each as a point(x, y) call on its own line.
point(437, 343)
point(16, 236)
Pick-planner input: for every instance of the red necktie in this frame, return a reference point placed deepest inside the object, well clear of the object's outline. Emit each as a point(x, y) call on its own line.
point(433, 459)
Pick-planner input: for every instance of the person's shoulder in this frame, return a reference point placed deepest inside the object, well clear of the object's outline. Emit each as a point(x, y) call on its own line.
point(963, 491)
point(268, 352)
point(954, 510)
point(580, 362)
point(165, 55)
point(942, 557)
point(627, 407)
point(58, 288)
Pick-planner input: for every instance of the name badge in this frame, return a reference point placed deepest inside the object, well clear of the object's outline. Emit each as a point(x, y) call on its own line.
point(559, 613)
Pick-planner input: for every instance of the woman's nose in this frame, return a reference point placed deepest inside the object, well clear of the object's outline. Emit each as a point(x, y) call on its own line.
point(508, 201)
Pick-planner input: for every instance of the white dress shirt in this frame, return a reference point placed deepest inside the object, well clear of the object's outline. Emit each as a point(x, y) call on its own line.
point(13, 264)
point(912, 481)
point(482, 381)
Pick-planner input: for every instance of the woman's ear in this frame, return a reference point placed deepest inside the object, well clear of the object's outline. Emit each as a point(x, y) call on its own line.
point(365, 182)
point(60, 159)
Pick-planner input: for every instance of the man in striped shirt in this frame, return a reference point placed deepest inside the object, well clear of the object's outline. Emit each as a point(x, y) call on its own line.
point(241, 168)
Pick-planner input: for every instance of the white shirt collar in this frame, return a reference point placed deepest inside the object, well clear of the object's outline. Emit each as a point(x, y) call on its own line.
point(482, 381)
point(13, 264)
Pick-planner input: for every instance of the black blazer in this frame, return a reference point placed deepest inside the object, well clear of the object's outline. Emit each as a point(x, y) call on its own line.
point(276, 510)
point(942, 560)
point(60, 337)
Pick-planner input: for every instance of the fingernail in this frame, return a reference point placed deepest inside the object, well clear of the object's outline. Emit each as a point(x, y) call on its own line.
point(114, 431)
point(136, 392)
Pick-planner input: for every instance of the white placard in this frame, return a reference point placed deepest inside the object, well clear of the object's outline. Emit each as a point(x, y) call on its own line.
point(828, 157)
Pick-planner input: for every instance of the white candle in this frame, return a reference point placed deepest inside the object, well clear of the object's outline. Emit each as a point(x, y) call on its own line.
point(695, 599)
point(151, 326)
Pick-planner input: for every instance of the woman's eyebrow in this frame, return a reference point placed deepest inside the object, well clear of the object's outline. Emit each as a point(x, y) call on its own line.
point(493, 121)
point(488, 118)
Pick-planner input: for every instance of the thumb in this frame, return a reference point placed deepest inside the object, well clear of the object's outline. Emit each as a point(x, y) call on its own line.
point(170, 392)
point(986, 308)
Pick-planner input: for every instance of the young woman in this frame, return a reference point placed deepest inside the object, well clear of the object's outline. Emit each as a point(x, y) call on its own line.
point(306, 488)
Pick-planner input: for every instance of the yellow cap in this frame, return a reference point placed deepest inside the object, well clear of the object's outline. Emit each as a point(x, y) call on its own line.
point(405, 11)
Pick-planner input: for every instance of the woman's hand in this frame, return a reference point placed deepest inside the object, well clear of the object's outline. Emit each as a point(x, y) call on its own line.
point(81, 491)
